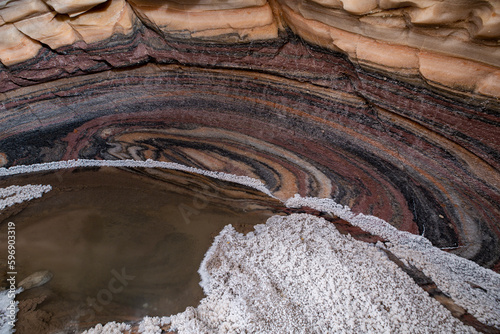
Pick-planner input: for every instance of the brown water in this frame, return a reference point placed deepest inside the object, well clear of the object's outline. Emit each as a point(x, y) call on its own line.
point(121, 243)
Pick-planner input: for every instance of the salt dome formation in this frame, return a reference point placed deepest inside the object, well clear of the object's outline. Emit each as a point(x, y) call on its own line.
point(390, 107)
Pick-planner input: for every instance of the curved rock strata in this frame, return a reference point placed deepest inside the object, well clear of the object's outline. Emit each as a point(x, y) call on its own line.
point(391, 107)
point(390, 127)
point(404, 162)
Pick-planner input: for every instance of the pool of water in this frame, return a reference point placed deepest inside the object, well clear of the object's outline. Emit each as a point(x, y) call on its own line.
point(120, 243)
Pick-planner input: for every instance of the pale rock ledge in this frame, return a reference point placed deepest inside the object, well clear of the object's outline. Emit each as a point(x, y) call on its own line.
point(448, 45)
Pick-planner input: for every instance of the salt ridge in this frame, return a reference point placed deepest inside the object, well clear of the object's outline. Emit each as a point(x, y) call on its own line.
point(109, 328)
point(23, 169)
point(152, 325)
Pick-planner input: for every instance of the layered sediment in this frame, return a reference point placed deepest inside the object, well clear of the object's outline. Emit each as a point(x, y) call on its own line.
point(295, 137)
point(389, 107)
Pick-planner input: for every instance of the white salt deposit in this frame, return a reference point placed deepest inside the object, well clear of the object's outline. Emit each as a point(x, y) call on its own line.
point(109, 328)
point(456, 276)
point(22, 169)
point(299, 274)
point(148, 325)
point(8, 311)
point(18, 194)
point(152, 325)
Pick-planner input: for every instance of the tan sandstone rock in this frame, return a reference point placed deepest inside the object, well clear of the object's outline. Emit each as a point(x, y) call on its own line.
point(117, 17)
point(249, 20)
point(16, 47)
point(50, 29)
point(13, 11)
point(422, 42)
point(71, 7)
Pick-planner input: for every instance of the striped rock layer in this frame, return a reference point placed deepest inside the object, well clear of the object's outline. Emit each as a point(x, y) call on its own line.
point(273, 91)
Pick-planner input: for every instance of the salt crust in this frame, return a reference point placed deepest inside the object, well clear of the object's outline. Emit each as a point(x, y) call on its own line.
point(151, 325)
point(148, 325)
point(298, 274)
point(5, 327)
point(18, 194)
point(244, 180)
point(452, 274)
point(109, 328)
point(226, 305)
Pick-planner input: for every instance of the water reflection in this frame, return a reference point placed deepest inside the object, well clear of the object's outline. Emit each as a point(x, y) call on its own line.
point(120, 243)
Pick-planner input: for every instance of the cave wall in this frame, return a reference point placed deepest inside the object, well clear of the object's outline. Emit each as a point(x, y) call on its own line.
point(389, 107)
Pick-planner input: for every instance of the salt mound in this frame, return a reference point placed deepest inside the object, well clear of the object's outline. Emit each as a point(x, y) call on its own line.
point(299, 274)
point(471, 286)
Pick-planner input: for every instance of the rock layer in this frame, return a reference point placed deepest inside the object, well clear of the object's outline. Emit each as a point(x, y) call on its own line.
point(428, 43)
point(295, 137)
point(388, 126)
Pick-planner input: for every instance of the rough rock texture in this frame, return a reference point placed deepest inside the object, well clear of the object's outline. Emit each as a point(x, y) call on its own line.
point(448, 45)
point(402, 124)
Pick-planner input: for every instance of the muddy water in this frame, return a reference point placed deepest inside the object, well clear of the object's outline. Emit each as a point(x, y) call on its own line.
point(120, 243)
